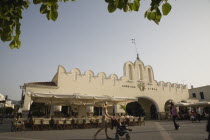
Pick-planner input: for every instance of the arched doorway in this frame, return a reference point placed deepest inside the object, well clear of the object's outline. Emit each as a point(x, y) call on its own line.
point(134, 109)
point(167, 106)
point(149, 106)
point(153, 112)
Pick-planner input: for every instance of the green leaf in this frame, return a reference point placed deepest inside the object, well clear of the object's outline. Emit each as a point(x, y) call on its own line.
point(126, 8)
point(154, 4)
point(54, 15)
point(18, 44)
point(48, 15)
point(6, 37)
point(136, 5)
point(158, 16)
point(148, 15)
point(37, 1)
point(26, 4)
point(117, 2)
point(54, 12)
point(166, 8)
point(111, 7)
point(12, 44)
point(121, 4)
point(145, 14)
point(152, 16)
point(108, 1)
point(44, 9)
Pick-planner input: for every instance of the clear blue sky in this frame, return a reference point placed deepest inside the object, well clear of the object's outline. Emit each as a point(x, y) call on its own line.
point(86, 36)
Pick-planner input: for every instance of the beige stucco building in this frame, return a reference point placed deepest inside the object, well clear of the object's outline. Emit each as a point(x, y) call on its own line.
point(7, 103)
point(200, 93)
point(138, 81)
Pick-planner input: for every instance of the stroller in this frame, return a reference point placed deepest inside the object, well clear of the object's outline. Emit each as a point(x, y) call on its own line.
point(121, 129)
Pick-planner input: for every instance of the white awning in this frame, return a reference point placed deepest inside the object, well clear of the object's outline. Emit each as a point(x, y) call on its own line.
point(204, 103)
point(197, 104)
point(77, 99)
point(179, 104)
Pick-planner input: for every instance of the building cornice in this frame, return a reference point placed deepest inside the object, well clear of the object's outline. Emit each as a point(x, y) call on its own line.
point(41, 86)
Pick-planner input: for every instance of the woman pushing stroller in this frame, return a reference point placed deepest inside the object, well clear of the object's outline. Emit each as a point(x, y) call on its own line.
point(104, 124)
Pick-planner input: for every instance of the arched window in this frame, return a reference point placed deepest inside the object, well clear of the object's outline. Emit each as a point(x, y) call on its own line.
point(140, 75)
point(75, 76)
point(130, 72)
point(102, 80)
point(89, 77)
point(150, 75)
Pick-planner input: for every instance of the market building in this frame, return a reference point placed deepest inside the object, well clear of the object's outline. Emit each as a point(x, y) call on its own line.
point(138, 82)
point(202, 95)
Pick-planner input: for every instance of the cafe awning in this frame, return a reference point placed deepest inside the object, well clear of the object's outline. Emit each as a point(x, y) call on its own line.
point(204, 103)
point(197, 104)
point(77, 99)
point(179, 104)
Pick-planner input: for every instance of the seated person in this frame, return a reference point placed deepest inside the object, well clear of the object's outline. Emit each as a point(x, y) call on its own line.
point(18, 123)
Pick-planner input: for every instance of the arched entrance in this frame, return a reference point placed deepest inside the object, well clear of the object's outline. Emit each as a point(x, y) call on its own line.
point(150, 107)
point(167, 106)
point(134, 109)
point(153, 112)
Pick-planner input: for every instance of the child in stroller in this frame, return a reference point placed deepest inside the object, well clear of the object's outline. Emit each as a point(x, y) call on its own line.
point(121, 129)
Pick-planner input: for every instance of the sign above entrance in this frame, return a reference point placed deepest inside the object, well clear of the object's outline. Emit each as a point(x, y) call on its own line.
point(141, 86)
point(128, 86)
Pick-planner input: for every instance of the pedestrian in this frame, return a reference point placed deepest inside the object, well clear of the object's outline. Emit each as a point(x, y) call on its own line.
point(104, 124)
point(198, 112)
point(193, 115)
point(208, 128)
point(19, 113)
point(174, 116)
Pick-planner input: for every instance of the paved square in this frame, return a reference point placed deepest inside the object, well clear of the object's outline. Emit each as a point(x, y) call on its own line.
point(153, 130)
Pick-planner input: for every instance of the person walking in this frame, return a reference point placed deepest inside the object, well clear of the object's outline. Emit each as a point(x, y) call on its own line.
point(198, 112)
point(104, 124)
point(208, 128)
point(174, 116)
point(193, 116)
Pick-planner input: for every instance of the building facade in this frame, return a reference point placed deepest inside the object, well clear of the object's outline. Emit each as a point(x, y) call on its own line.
point(4, 102)
point(200, 93)
point(138, 81)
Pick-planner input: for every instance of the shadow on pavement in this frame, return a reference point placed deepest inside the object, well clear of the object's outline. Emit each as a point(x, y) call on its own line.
point(152, 131)
point(96, 139)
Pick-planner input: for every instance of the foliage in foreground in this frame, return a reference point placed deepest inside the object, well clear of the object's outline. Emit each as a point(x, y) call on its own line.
point(11, 13)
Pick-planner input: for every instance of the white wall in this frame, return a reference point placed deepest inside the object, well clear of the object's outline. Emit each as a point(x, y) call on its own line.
point(101, 84)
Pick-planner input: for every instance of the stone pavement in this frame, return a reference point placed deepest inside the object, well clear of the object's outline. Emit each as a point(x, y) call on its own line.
point(153, 130)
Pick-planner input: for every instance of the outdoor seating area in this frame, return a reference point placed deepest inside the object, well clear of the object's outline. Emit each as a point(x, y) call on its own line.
point(17, 125)
point(75, 111)
point(70, 123)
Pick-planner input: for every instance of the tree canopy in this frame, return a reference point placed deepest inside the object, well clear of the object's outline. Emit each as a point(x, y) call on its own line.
point(11, 14)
